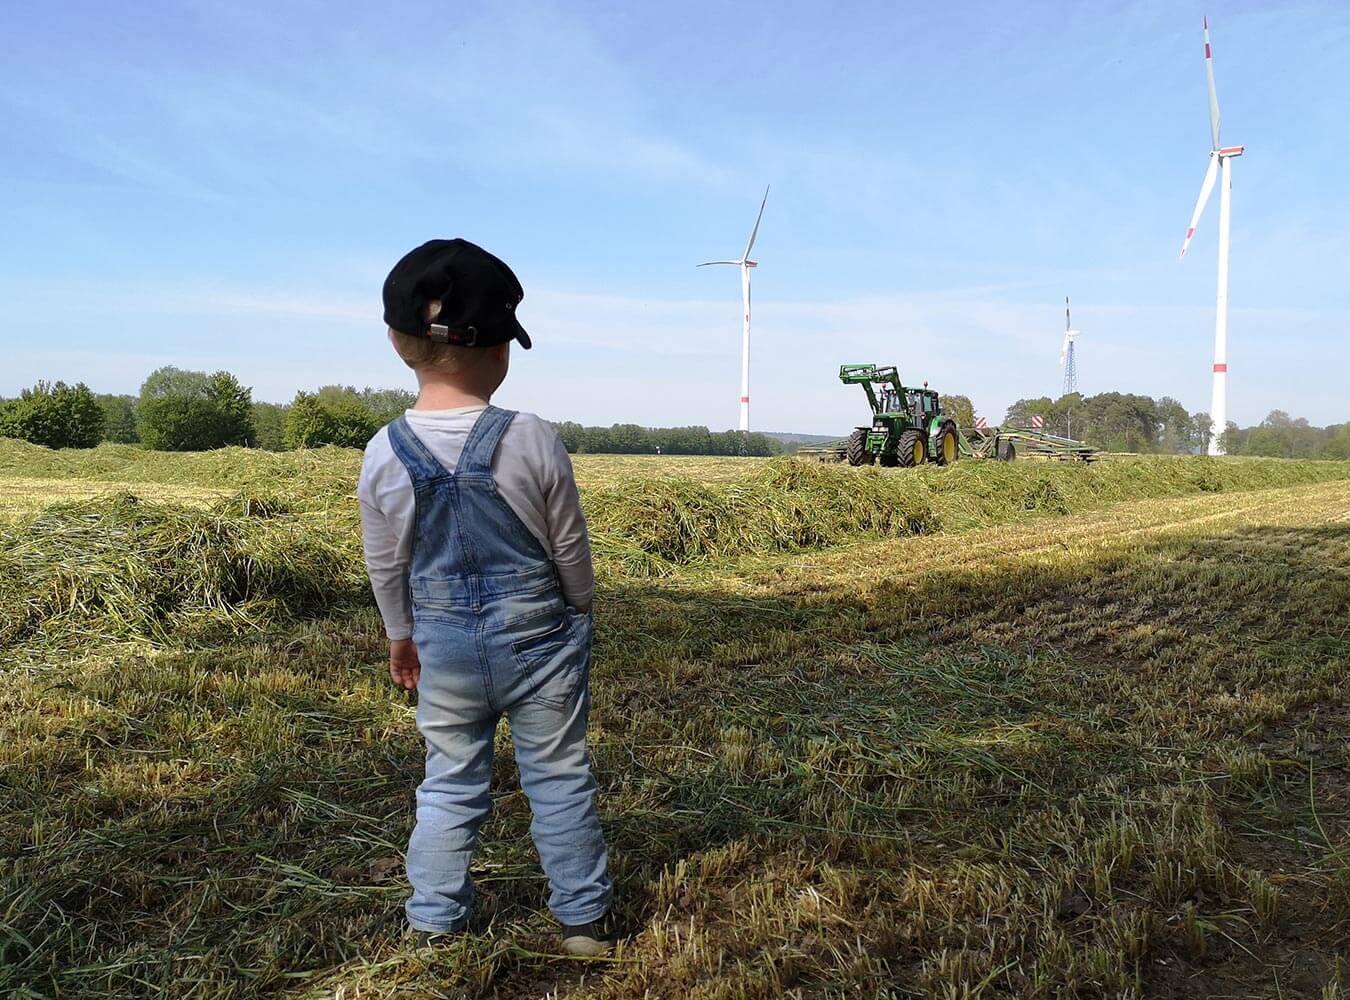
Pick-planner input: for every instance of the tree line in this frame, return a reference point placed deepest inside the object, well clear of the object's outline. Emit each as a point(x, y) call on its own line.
point(1116, 421)
point(631, 439)
point(179, 410)
point(1282, 436)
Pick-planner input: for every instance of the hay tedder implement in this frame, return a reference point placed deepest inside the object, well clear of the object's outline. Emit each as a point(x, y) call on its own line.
point(909, 427)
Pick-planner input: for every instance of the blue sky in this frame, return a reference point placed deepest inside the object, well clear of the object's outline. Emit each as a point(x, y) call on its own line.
point(226, 185)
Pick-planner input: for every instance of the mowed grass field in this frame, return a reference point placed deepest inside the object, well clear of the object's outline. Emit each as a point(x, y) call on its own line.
point(998, 731)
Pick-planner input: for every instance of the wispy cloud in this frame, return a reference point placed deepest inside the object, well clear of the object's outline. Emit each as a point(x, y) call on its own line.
point(242, 122)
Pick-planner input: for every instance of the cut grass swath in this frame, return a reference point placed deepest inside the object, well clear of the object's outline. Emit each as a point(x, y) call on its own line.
point(1103, 755)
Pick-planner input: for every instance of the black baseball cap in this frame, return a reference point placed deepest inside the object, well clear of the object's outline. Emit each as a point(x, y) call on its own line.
point(454, 292)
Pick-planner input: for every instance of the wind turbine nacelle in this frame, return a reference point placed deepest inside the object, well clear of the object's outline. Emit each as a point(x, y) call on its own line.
point(1232, 151)
point(750, 263)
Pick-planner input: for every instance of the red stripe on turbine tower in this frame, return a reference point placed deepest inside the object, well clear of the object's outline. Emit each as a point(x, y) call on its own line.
point(1221, 368)
point(745, 399)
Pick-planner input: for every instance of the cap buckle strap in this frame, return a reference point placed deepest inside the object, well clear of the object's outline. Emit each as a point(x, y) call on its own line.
point(443, 335)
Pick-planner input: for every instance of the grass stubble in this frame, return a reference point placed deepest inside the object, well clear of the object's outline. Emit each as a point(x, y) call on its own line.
point(1030, 731)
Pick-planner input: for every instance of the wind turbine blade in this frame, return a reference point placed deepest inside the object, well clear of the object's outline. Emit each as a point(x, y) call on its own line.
point(1064, 349)
point(1066, 315)
point(708, 263)
point(1205, 188)
point(755, 232)
point(1213, 94)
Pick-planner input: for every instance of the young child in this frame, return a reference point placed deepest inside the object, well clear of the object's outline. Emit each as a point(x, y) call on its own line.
point(478, 555)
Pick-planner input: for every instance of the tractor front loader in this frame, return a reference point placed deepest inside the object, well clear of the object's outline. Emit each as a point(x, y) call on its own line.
point(908, 426)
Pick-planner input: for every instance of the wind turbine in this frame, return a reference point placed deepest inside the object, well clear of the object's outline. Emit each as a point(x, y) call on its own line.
point(1066, 360)
point(1220, 161)
point(745, 264)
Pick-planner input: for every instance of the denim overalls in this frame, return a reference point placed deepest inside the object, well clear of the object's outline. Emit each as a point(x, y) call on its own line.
point(494, 635)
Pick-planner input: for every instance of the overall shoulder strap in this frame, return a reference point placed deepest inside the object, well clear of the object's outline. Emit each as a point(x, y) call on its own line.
point(415, 456)
point(483, 440)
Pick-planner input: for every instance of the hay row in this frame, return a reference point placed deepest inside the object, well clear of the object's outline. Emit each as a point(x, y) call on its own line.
point(115, 568)
point(127, 567)
point(647, 525)
point(315, 469)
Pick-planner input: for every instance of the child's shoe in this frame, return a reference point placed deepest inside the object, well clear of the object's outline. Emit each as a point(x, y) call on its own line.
point(590, 940)
point(433, 939)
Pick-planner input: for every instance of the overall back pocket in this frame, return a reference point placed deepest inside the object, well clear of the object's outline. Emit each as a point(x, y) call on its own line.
point(554, 658)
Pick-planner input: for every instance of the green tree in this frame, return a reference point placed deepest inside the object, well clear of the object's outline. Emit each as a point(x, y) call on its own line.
point(55, 415)
point(234, 403)
point(596, 441)
point(329, 417)
point(119, 418)
point(193, 411)
point(683, 440)
point(1178, 430)
point(269, 426)
point(1117, 421)
point(1203, 429)
point(960, 409)
point(1337, 444)
point(1021, 412)
point(387, 404)
point(629, 439)
point(1281, 436)
point(761, 446)
point(571, 434)
point(1067, 416)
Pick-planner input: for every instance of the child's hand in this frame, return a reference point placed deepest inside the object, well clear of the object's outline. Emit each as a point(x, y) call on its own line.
point(404, 666)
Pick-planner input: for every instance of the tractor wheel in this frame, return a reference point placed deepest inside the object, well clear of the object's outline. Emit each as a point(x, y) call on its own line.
point(911, 450)
point(856, 449)
point(1007, 451)
point(948, 449)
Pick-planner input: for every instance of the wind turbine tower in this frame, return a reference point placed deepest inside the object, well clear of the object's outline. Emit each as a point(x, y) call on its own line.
point(1220, 161)
point(1066, 358)
point(745, 264)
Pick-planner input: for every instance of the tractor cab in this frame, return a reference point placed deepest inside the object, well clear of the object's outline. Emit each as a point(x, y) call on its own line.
point(923, 405)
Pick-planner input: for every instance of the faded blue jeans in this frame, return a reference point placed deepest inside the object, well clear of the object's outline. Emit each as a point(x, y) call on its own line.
point(494, 637)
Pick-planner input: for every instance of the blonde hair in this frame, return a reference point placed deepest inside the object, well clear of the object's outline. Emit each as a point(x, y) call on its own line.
point(421, 354)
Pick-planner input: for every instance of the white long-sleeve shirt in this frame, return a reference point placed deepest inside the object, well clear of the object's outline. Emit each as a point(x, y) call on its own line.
point(533, 473)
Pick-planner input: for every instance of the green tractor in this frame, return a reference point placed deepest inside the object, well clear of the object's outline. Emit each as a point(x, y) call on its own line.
point(908, 426)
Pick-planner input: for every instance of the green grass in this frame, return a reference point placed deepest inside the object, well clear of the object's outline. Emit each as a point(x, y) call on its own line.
point(1085, 736)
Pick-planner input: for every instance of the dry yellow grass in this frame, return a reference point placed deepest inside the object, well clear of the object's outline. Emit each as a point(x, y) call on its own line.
point(600, 470)
point(24, 494)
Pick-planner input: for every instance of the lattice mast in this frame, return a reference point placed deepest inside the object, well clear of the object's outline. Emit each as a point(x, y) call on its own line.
point(1067, 361)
